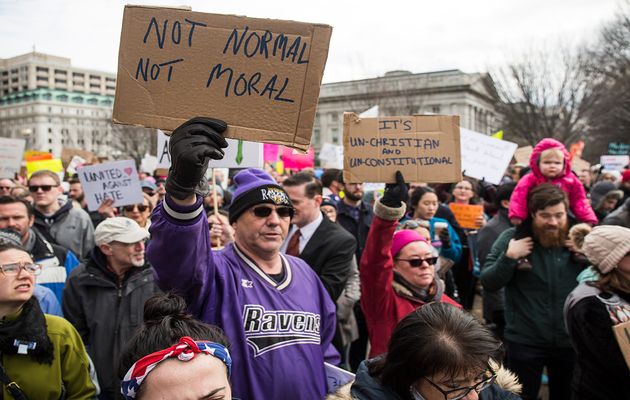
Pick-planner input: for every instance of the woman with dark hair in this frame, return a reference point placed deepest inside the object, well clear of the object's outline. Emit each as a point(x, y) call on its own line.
point(174, 356)
point(467, 270)
point(437, 352)
point(593, 309)
point(41, 356)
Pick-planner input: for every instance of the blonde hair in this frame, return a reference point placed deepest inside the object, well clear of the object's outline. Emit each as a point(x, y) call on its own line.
point(552, 151)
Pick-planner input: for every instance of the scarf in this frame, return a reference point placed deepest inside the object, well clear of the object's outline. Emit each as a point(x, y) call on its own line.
point(27, 334)
point(405, 289)
point(30, 242)
point(185, 350)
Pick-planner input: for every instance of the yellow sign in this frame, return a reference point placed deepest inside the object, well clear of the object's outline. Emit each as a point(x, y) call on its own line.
point(53, 165)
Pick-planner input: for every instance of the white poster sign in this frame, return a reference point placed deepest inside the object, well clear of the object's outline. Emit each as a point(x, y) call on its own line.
point(11, 153)
point(485, 157)
point(115, 180)
point(331, 156)
point(614, 163)
point(238, 154)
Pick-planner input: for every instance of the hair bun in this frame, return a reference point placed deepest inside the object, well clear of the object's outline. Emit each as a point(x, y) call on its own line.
point(164, 305)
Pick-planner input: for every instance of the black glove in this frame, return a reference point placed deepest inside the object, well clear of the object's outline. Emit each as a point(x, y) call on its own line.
point(191, 146)
point(396, 193)
point(445, 238)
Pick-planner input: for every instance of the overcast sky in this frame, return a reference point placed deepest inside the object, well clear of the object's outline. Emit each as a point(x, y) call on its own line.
point(369, 37)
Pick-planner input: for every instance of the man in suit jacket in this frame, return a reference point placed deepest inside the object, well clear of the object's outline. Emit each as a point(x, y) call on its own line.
point(324, 245)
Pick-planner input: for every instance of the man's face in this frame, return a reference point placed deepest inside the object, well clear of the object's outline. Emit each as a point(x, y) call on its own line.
point(126, 254)
point(5, 187)
point(15, 217)
point(306, 210)
point(42, 197)
point(16, 290)
point(421, 276)
point(76, 192)
point(354, 191)
point(585, 177)
point(261, 234)
point(550, 225)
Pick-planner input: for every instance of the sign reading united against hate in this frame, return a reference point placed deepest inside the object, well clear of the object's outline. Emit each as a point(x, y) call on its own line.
point(116, 180)
point(425, 148)
point(261, 76)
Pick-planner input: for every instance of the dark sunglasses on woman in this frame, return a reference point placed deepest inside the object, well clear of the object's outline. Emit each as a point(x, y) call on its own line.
point(141, 207)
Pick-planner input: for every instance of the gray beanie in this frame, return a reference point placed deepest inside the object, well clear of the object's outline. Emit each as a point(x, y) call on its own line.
point(606, 245)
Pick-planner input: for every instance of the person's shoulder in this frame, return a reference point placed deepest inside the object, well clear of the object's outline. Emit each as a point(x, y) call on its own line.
point(59, 326)
point(79, 213)
point(78, 272)
point(335, 229)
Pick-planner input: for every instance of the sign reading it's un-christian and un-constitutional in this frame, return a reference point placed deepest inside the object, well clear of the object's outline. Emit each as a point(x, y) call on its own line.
point(261, 76)
point(425, 148)
point(115, 180)
point(238, 154)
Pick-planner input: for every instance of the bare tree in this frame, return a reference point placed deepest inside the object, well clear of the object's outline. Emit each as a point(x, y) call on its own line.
point(545, 94)
point(608, 70)
point(132, 142)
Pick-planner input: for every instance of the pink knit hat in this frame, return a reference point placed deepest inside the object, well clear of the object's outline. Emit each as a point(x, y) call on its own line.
point(403, 238)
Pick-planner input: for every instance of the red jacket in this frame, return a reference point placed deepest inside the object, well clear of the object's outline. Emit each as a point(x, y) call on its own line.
point(382, 306)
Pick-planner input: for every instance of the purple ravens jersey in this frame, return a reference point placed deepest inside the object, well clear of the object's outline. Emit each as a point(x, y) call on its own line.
point(280, 333)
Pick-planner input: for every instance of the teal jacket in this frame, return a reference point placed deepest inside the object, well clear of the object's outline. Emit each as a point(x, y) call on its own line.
point(534, 299)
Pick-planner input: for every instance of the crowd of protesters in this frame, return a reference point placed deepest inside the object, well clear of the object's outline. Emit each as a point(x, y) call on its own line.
point(247, 288)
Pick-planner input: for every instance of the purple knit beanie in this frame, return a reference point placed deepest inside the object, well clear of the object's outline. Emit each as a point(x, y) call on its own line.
point(255, 186)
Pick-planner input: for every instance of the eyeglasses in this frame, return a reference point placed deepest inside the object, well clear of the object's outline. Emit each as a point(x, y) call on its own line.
point(5, 187)
point(14, 269)
point(141, 207)
point(462, 392)
point(264, 212)
point(44, 188)
point(417, 262)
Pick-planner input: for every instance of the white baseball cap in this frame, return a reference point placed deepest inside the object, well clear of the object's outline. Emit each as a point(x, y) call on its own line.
point(119, 229)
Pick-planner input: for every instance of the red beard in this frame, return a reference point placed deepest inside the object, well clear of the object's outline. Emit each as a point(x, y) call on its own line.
point(550, 237)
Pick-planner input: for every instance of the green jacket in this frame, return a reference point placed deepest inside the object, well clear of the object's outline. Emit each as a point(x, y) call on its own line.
point(69, 368)
point(534, 299)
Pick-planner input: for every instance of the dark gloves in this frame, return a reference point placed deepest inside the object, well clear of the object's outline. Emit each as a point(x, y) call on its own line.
point(396, 193)
point(191, 146)
point(445, 238)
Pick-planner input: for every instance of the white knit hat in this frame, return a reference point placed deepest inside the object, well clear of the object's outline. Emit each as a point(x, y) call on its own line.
point(606, 245)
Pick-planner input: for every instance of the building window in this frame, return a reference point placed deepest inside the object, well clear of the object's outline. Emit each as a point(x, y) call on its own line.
point(334, 117)
point(49, 140)
point(435, 109)
point(78, 75)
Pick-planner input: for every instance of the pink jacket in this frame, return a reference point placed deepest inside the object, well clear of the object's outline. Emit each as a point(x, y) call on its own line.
point(568, 182)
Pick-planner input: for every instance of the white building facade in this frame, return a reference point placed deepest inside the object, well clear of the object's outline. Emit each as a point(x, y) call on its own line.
point(402, 93)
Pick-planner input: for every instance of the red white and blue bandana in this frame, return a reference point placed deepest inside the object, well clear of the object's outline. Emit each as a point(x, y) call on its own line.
point(185, 350)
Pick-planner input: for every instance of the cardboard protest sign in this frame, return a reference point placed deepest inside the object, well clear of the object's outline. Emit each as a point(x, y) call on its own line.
point(425, 148)
point(614, 163)
point(261, 76)
point(53, 165)
point(115, 180)
point(294, 159)
point(485, 157)
point(467, 214)
point(11, 151)
point(238, 154)
point(578, 165)
point(622, 334)
point(68, 153)
point(76, 162)
point(522, 155)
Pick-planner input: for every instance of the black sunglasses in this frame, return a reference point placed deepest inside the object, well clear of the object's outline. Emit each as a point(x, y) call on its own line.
point(264, 212)
point(417, 262)
point(141, 207)
point(44, 188)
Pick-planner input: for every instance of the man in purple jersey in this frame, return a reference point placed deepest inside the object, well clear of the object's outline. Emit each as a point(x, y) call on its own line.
point(278, 316)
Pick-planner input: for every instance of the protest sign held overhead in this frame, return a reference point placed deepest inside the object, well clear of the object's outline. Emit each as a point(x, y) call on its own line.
point(485, 157)
point(467, 215)
point(115, 180)
point(614, 163)
point(261, 76)
point(11, 152)
point(238, 154)
point(425, 148)
point(53, 165)
point(522, 155)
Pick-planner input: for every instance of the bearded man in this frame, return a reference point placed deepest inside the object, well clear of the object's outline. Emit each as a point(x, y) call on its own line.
point(535, 333)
